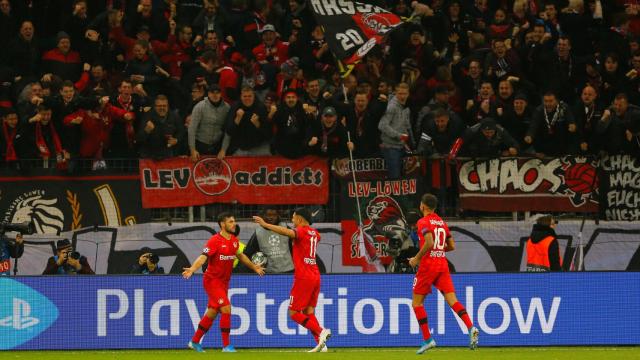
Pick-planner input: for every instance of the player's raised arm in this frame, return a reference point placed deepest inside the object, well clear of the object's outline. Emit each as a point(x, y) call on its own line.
point(428, 244)
point(187, 272)
point(275, 228)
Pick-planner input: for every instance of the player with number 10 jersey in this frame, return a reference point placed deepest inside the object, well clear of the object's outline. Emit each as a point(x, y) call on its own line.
point(306, 278)
point(435, 241)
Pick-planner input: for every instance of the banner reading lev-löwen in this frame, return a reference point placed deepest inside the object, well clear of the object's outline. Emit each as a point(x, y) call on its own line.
point(560, 184)
point(129, 312)
point(247, 180)
point(384, 204)
point(60, 203)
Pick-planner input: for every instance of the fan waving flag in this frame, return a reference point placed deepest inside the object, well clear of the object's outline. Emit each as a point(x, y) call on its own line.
point(352, 28)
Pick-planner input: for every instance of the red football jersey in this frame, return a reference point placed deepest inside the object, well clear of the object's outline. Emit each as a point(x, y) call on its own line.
point(435, 259)
point(221, 253)
point(304, 253)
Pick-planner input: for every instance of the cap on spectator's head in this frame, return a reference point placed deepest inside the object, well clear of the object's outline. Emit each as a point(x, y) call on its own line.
point(409, 64)
point(441, 89)
point(7, 111)
point(290, 66)
point(271, 97)
point(304, 213)
point(143, 28)
point(521, 96)
point(63, 244)
point(290, 92)
point(267, 27)
point(62, 35)
point(415, 28)
point(145, 250)
point(488, 124)
point(213, 88)
point(329, 111)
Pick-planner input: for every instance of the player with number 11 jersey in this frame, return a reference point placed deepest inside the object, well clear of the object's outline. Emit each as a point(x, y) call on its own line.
point(435, 241)
point(306, 278)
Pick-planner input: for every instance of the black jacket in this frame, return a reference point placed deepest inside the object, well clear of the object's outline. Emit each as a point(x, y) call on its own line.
point(291, 125)
point(246, 135)
point(477, 145)
point(540, 232)
point(154, 144)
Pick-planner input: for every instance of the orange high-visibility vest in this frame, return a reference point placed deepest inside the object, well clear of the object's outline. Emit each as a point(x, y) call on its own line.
point(538, 255)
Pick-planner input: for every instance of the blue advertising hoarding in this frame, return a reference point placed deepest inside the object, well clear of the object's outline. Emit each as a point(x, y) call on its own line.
point(121, 312)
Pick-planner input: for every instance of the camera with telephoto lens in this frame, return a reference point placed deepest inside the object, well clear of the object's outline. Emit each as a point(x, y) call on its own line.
point(74, 255)
point(24, 228)
point(153, 258)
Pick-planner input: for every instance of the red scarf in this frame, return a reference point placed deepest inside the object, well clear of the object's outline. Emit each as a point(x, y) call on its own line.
point(128, 124)
point(10, 135)
point(42, 144)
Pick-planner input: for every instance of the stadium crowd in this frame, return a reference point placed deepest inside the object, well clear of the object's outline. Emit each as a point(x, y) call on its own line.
point(113, 79)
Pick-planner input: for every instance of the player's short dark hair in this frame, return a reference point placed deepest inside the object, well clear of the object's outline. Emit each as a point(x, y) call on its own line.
point(430, 201)
point(304, 213)
point(223, 216)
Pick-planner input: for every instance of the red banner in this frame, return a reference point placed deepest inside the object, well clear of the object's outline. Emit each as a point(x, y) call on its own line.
point(560, 184)
point(247, 180)
point(375, 242)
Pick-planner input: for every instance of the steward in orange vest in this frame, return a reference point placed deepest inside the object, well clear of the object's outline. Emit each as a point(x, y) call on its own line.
point(543, 251)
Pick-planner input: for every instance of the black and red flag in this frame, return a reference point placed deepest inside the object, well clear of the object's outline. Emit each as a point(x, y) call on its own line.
point(352, 28)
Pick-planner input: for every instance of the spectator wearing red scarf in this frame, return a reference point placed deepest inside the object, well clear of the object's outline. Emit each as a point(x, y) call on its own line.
point(96, 125)
point(12, 137)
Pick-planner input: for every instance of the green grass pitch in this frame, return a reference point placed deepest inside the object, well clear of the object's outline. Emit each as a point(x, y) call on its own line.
point(525, 353)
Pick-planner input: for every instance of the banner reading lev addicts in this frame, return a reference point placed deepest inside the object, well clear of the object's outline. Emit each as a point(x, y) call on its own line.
point(61, 203)
point(560, 184)
point(247, 180)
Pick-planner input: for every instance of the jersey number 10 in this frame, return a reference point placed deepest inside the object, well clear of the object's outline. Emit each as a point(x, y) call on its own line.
point(440, 238)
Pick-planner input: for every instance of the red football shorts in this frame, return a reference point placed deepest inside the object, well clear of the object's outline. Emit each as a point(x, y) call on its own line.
point(441, 280)
point(304, 293)
point(217, 292)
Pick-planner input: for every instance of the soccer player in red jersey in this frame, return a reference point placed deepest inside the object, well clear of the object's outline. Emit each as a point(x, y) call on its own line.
point(435, 241)
point(306, 279)
point(220, 252)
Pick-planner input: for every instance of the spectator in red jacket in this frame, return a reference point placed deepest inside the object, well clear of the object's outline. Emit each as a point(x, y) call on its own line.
point(96, 125)
point(272, 50)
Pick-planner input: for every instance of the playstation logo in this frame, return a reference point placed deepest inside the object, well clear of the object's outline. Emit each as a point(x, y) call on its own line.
point(21, 318)
point(25, 313)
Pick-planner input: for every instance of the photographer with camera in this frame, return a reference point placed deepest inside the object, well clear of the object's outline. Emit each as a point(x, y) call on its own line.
point(9, 249)
point(67, 261)
point(147, 263)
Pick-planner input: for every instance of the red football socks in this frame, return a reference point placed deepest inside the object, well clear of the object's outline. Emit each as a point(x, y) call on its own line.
point(462, 313)
point(421, 315)
point(308, 321)
point(203, 327)
point(225, 328)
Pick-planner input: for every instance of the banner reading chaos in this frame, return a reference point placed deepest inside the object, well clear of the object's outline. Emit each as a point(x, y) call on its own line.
point(560, 184)
point(247, 180)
